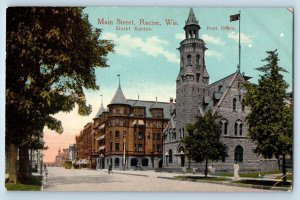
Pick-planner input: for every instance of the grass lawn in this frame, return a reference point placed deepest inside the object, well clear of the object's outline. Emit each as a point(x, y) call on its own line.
point(265, 183)
point(252, 174)
point(33, 184)
point(201, 178)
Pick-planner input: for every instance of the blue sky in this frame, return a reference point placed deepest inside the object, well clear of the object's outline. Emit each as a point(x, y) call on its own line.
point(148, 61)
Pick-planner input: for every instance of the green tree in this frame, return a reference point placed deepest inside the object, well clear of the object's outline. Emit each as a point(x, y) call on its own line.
point(51, 57)
point(203, 142)
point(270, 119)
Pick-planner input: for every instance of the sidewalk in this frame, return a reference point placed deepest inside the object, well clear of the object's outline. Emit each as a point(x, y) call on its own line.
point(170, 176)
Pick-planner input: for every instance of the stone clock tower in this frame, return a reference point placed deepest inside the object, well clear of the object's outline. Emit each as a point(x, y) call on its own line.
point(192, 80)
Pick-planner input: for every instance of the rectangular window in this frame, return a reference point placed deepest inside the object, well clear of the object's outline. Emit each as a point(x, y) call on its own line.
point(117, 147)
point(140, 135)
point(116, 122)
point(153, 148)
point(197, 77)
point(117, 134)
point(157, 136)
point(158, 148)
point(140, 147)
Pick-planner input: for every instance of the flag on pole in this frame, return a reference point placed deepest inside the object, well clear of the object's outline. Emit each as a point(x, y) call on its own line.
point(234, 17)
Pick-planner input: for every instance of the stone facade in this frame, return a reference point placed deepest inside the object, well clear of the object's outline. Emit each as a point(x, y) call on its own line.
point(194, 96)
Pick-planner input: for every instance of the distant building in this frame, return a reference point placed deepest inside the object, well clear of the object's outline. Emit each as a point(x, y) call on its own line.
point(84, 144)
point(59, 159)
point(130, 129)
point(72, 153)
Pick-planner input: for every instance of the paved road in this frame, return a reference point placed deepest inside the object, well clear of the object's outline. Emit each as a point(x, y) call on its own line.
point(60, 179)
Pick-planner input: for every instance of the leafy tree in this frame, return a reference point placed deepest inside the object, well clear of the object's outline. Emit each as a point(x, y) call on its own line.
point(203, 142)
point(51, 57)
point(270, 119)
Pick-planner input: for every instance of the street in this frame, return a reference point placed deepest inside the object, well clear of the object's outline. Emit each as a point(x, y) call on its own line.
point(60, 179)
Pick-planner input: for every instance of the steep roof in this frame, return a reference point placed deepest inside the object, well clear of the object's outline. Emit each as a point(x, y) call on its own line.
point(226, 85)
point(119, 97)
point(100, 111)
point(191, 19)
point(205, 74)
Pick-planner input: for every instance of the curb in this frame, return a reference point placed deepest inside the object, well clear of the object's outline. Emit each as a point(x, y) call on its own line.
point(129, 174)
point(230, 184)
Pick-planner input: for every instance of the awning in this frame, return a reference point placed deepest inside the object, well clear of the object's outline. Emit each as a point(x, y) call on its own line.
point(101, 147)
point(100, 137)
point(102, 126)
point(139, 122)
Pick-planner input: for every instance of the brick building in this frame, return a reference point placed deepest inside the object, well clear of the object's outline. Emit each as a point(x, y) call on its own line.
point(84, 144)
point(194, 96)
point(129, 132)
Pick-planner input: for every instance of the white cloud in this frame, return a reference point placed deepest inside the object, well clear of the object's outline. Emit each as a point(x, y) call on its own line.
point(213, 53)
point(245, 39)
point(126, 45)
point(213, 40)
point(180, 36)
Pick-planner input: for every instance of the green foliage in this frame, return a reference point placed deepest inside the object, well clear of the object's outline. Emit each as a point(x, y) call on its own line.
point(52, 54)
point(34, 183)
point(270, 119)
point(203, 142)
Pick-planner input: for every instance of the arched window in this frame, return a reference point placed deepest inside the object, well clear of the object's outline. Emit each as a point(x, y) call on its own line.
point(225, 127)
point(197, 60)
point(145, 162)
point(243, 105)
point(133, 162)
point(189, 59)
point(238, 127)
point(241, 128)
point(234, 104)
point(235, 128)
point(238, 154)
point(117, 162)
point(224, 124)
point(170, 156)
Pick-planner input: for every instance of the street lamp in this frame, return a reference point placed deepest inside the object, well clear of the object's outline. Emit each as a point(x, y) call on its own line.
point(167, 155)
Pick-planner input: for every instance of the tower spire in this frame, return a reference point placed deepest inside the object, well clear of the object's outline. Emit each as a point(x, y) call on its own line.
point(191, 18)
point(101, 99)
point(119, 80)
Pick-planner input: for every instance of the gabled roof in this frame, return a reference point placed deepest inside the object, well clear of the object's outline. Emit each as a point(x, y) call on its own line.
point(226, 87)
point(119, 97)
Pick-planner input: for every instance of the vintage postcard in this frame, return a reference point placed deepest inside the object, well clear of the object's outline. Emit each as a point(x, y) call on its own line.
point(173, 99)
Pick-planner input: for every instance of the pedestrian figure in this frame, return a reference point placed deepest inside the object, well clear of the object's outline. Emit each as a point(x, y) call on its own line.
point(109, 168)
point(45, 171)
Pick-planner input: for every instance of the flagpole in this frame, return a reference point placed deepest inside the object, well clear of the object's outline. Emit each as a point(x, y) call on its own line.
point(239, 67)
